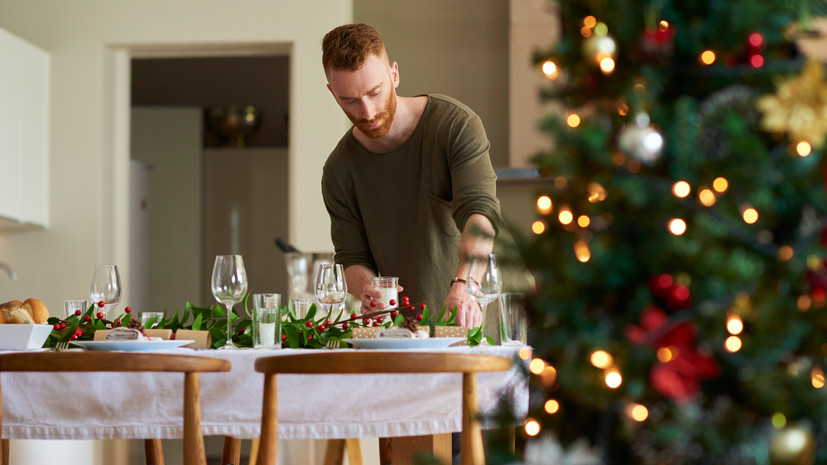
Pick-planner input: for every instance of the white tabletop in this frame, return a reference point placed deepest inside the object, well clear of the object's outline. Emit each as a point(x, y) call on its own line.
point(149, 405)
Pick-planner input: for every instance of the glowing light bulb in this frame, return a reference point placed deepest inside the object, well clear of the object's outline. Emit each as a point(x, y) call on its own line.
point(607, 65)
point(538, 227)
point(583, 221)
point(573, 120)
point(706, 197)
point(613, 379)
point(601, 359)
point(720, 185)
point(677, 226)
point(750, 215)
point(544, 204)
point(550, 69)
point(663, 25)
point(732, 344)
point(532, 427)
point(565, 216)
point(524, 353)
point(681, 189)
point(637, 412)
point(666, 354)
point(708, 57)
point(551, 406)
point(536, 366)
point(597, 193)
point(803, 148)
point(734, 325)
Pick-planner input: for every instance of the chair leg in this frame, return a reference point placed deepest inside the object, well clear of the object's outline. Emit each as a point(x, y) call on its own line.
point(269, 421)
point(472, 450)
point(253, 451)
point(354, 451)
point(154, 452)
point(231, 454)
point(334, 453)
point(4, 452)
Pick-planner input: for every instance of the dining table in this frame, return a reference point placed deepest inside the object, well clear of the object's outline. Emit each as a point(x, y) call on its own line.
point(340, 406)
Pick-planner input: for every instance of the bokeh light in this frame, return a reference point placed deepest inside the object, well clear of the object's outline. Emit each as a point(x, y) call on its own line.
point(706, 197)
point(613, 379)
point(732, 344)
point(565, 216)
point(681, 189)
point(581, 251)
point(708, 57)
point(734, 325)
point(536, 366)
point(544, 204)
point(532, 427)
point(551, 406)
point(550, 69)
point(538, 227)
point(583, 221)
point(601, 359)
point(677, 226)
point(803, 148)
point(750, 215)
point(607, 65)
point(637, 412)
point(720, 184)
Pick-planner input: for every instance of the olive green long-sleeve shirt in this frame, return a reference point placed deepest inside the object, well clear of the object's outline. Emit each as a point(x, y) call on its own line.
point(401, 213)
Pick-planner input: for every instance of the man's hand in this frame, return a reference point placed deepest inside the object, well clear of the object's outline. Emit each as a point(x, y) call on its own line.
point(468, 311)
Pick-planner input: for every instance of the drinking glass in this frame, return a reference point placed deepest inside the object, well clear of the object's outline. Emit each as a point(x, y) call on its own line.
point(331, 287)
point(484, 284)
point(154, 317)
point(229, 284)
point(71, 306)
point(389, 287)
point(105, 286)
point(513, 319)
point(300, 307)
point(297, 264)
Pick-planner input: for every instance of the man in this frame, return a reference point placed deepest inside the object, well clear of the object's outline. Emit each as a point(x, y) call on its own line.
point(409, 188)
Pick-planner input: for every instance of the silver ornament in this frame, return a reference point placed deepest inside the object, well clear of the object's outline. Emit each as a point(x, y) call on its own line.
point(641, 141)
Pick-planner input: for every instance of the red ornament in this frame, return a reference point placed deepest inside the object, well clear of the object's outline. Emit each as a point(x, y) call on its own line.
point(375, 323)
point(327, 323)
point(320, 328)
point(412, 308)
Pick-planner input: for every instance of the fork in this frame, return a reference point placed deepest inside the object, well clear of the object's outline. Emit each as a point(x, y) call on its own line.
point(61, 345)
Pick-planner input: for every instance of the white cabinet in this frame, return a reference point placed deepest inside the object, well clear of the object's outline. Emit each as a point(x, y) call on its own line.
point(24, 133)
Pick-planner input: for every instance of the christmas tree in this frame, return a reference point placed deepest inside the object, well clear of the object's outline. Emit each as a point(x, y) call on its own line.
point(681, 309)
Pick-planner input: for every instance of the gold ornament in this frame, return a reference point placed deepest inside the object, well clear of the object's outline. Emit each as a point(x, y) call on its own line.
point(799, 108)
point(793, 445)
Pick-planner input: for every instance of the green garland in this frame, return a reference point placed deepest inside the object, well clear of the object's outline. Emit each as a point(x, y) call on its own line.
point(308, 332)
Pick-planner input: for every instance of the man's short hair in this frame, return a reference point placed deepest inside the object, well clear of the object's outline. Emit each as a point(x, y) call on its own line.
point(347, 47)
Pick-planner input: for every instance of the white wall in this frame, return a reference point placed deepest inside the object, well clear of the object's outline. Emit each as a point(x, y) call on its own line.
point(89, 42)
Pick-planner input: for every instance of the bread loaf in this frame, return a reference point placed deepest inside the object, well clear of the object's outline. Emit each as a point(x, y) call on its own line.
point(37, 309)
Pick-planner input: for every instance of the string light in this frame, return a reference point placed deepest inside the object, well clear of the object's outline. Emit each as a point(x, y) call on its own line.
point(544, 204)
point(817, 378)
point(734, 325)
point(708, 57)
point(803, 148)
point(551, 406)
point(677, 226)
point(550, 69)
point(666, 354)
point(779, 420)
point(583, 221)
point(732, 344)
point(524, 353)
point(532, 427)
point(586, 31)
point(565, 216)
point(613, 379)
point(573, 120)
point(750, 215)
point(663, 25)
point(538, 227)
point(590, 21)
point(720, 184)
point(581, 251)
point(785, 253)
point(756, 61)
point(706, 197)
point(637, 412)
point(607, 65)
point(681, 189)
point(601, 359)
point(536, 366)
point(803, 303)
point(756, 39)
point(549, 375)
point(597, 193)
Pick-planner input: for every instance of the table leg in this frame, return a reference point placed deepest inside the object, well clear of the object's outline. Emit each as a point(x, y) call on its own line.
point(5, 454)
point(404, 448)
point(334, 453)
point(385, 451)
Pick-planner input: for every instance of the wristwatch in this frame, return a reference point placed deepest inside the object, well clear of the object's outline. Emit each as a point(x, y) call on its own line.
point(457, 280)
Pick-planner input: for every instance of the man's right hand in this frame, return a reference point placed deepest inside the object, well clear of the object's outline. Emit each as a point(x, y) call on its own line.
point(468, 310)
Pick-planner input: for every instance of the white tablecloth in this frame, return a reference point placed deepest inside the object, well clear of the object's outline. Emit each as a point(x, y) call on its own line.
point(138, 405)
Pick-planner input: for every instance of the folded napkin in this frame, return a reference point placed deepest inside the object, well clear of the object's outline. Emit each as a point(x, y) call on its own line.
point(129, 334)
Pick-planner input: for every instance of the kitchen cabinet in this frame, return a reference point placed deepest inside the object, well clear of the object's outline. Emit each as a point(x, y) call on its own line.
point(24, 134)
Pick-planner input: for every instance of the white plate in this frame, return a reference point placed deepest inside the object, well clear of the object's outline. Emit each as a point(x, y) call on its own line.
point(407, 343)
point(132, 346)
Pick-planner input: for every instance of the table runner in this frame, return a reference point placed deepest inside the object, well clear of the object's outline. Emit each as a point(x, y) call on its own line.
point(149, 405)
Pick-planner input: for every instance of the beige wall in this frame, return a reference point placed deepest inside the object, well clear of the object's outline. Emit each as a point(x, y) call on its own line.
point(90, 42)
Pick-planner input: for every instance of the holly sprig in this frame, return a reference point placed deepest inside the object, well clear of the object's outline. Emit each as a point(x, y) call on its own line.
point(310, 331)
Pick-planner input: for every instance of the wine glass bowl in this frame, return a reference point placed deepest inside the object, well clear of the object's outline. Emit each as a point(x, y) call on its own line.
point(298, 264)
point(229, 285)
point(485, 284)
point(331, 286)
point(105, 286)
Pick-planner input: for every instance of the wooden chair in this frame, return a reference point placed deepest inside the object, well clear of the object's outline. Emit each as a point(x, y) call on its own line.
point(78, 361)
point(361, 362)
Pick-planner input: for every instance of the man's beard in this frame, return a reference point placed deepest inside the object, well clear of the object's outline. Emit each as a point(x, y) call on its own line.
point(386, 117)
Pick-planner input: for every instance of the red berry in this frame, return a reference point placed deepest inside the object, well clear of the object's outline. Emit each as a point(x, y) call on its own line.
point(353, 316)
point(406, 300)
point(172, 337)
point(394, 313)
point(78, 312)
point(309, 337)
point(283, 337)
point(118, 323)
point(128, 309)
point(422, 306)
point(372, 303)
point(131, 318)
point(101, 304)
point(412, 308)
point(320, 328)
point(345, 325)
point(80, 332)
point(100, 315)
point(87, 318)
point(375, 323)
point(57, 327)
point(379, 318)
point(309, 324)
point(367, 321)
point(327, 323)
point(419, 317)
point(392, 301)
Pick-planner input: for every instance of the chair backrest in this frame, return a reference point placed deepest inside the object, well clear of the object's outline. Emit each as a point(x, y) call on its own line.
point(98, 361)
point(381, 362)
point(368, 362)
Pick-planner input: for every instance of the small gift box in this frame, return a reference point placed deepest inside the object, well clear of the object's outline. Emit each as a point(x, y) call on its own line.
point(439, 331)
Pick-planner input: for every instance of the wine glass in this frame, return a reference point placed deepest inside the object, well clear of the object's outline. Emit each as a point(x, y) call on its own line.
point(229, 284)
point(105, 286)
point(297, 269)
point(484, 284)
point(331, 286)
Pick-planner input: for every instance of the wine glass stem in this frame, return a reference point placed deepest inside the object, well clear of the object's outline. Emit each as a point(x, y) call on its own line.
point(229, 343)
point(483, 340)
